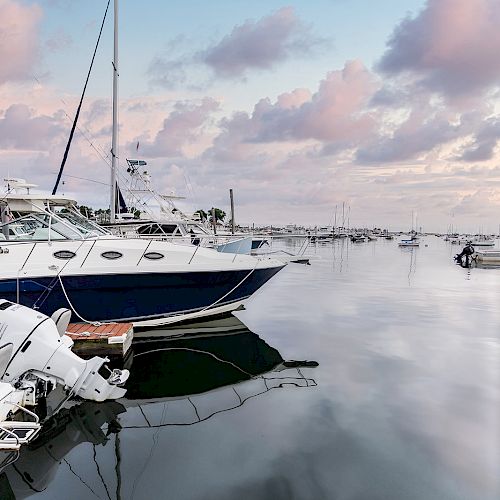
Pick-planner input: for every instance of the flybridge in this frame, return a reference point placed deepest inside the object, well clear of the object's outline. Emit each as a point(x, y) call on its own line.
point(16, 184)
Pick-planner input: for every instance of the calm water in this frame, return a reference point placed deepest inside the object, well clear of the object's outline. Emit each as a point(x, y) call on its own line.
point(405, 402)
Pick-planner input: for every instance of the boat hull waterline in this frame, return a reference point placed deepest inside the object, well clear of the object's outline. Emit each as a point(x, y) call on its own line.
point(147, 298)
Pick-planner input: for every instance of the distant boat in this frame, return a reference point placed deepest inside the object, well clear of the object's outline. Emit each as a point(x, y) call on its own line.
point(483, 241)
point(488, 256)
point(412, 242)
point(358, 238)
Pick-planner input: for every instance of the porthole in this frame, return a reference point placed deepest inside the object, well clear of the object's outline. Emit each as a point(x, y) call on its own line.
point(153, 255)
point(111, 255)
point(64, 254)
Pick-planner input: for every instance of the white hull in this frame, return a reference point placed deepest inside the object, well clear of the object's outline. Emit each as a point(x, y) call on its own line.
point(492, 256)
point(213, 311)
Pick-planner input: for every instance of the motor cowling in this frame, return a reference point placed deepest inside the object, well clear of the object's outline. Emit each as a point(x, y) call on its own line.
point(40, 352)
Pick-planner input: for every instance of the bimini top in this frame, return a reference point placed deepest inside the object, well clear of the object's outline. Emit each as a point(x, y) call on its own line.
point(34, 202)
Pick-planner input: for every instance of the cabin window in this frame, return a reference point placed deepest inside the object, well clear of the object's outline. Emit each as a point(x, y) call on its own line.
point(64, 254)
point(111, 255)
point(158, 229)
point(153, 255)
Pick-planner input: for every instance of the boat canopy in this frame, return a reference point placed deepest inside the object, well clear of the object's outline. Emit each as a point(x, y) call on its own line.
point(35, 202)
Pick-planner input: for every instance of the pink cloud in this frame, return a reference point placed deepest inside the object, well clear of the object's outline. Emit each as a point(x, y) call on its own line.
point(21, 129)
point(183, 126)
point(485, 141)
point(259, 44)
point(336, 114)
point(451, 46)
point(423, 131)
point(19, 49)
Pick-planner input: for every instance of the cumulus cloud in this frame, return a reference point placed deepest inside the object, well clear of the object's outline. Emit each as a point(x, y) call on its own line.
point(418, 134)
point(485, 141)
point(183, 126)
point(336, 114)
point(451, 46)
point(253, 45)
point(20, 129)
point(484, 202)
point(19, 49)
point(168, 73)
point(259, 44)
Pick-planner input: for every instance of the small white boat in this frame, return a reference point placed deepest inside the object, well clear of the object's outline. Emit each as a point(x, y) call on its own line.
point(358, 238)
point(488, 256)
point(413, 242)
point(35, 356)
point(483, 242)
point(40, 358)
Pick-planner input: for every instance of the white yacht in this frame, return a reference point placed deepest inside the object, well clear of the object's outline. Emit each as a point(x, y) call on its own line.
point(58, 258)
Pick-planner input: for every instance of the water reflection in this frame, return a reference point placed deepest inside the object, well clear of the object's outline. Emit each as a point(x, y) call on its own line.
point(412, 257)
point(195, 375)
point(181, 370)
point(38, 462)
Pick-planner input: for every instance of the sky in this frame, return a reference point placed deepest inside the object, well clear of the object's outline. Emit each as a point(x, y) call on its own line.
point(390, 107)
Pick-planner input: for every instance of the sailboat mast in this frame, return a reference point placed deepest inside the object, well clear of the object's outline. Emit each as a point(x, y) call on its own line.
point(114, 142)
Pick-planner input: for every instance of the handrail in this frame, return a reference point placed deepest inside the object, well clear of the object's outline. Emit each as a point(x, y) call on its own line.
point(34, 415)
point(13, 434)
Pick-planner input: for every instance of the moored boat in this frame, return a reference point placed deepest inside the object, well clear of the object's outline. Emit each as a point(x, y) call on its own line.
point(487, 256)
point(61, 259)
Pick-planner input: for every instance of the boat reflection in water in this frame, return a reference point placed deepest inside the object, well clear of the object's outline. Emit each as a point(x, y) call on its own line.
point(37, 464)
point(199, 374)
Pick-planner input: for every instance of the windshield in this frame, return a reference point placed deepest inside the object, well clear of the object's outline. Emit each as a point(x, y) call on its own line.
point(39, 227)
point(45, 226)
point(197, 229)
point(82, 224)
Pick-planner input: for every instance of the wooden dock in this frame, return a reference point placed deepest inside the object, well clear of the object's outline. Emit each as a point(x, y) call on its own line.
point(108, 339)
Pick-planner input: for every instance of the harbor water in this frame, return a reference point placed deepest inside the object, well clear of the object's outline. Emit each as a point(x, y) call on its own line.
point(403, 405)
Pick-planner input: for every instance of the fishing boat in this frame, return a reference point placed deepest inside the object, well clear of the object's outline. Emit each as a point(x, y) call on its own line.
point(161, 218)
point(62, 259)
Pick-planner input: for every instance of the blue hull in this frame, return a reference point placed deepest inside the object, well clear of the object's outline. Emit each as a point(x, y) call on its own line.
point(135, 297)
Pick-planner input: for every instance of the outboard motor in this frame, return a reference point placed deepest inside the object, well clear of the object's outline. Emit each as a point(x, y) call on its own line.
point(467, 252)
point(42, 357)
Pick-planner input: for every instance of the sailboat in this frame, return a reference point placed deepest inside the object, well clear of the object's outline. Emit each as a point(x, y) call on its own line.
point(413, 240)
